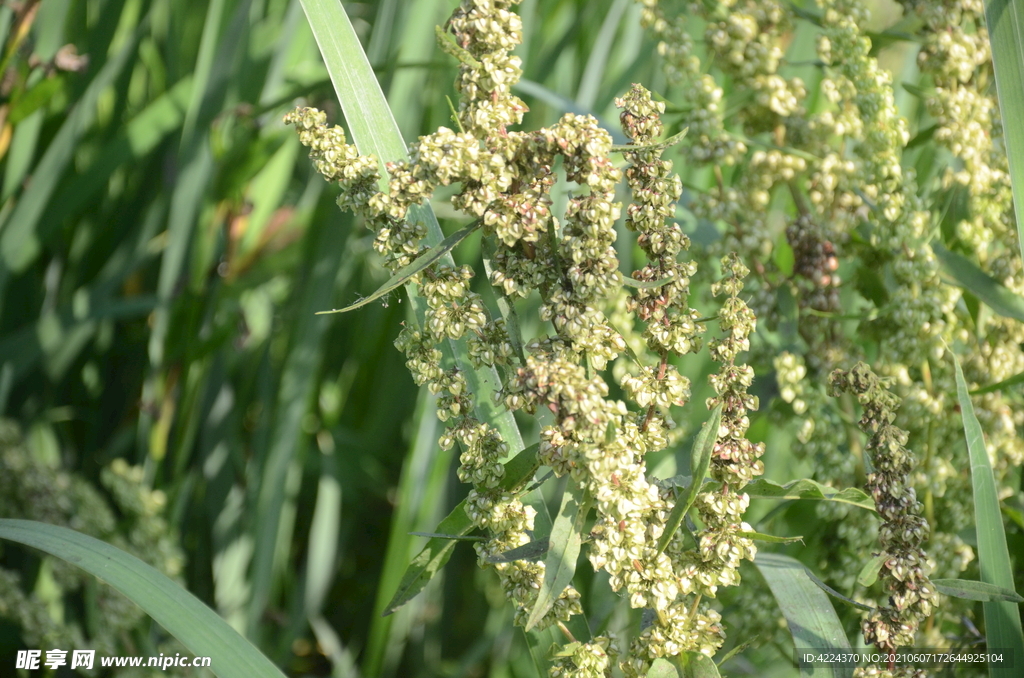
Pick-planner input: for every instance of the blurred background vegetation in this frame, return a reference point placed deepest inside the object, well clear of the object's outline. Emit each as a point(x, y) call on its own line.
point(164, 382)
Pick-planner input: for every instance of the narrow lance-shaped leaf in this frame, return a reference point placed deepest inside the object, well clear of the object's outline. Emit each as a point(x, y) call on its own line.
point(1002, 618)
point(438, 550)
point(405, 274)
point(700, 461)
point(999, 298)
point(769, 538)
point(806, 488)
point(999, 386)
point(811, 618)
point(645, 284)
point(975, 590)
point(184, 616)
point(565, 542)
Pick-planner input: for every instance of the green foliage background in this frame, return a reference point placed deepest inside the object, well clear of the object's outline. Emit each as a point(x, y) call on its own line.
point(164, 245)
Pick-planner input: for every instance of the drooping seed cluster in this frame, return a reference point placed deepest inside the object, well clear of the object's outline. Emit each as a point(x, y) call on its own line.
point(905, 569)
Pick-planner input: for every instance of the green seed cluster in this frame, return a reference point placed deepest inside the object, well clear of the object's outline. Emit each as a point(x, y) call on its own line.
point(905, 570)
point(35, 490)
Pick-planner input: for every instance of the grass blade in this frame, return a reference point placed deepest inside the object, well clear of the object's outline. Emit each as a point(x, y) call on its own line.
point(973, 279)
point(564, 551)
point(402, 276)
point(1002, 618)
point(811, 618)
point(975, 590)
point(184, 616)
point(1005, 383)
point(700, 461)
point(1005, 20)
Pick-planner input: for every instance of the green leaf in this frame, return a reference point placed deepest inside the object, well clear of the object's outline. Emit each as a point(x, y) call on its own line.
point(806, 488)
point(770, 538)
point(565, 541)
point(645, 284)
point(869, 573)
point(697, 665)
point(1005, 21)
point(811, 618)
point(35, 97)
point(975, 590)
point(531, 551)
point(1005, 383)
point(662, 668)
point(404, 274)
point(441, 535)
point(438, 550)
point(970, 277)
point(1002, 618)
point(184, 616)
point(700, 461)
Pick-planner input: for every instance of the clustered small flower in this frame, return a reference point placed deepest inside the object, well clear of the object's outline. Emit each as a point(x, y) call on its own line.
point(905, 570)
point(585, 660)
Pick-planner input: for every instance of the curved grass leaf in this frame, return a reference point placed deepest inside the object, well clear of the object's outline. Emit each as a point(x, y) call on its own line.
point(806, 488)
point(999, 386)
point(1005, 21)
point(811, 618)
point(184, 616)
point(700, 461)
point(564, 551)
point(404, 274)
point(1002, 618)
point(973, 279)
point(438, 550)
point(975, 590)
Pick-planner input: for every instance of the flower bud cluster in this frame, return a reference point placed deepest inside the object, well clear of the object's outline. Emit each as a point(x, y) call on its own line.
point(585, 660)
point(735, 461)
point(905, 570)
point(707, 140)
point(671, 323)
point(919, 302)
